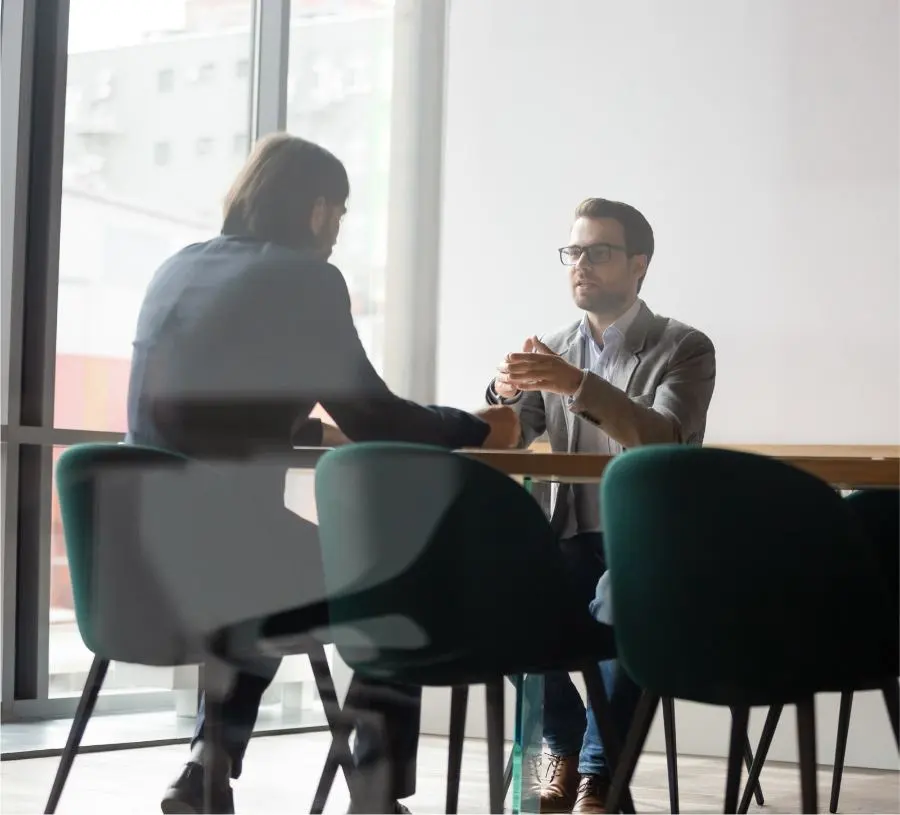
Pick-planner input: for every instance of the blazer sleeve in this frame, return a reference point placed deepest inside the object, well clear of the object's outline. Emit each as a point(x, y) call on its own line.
point(678, 411)
point(357, 398)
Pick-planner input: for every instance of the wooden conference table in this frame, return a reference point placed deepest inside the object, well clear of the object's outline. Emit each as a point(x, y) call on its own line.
point(845, 467)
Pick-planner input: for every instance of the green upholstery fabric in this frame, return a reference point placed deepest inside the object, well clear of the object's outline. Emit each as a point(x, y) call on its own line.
point(454, 573)
point(121, 613)
point(738, 580)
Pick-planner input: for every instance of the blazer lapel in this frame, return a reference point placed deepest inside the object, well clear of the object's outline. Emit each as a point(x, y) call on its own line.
point(635, 339)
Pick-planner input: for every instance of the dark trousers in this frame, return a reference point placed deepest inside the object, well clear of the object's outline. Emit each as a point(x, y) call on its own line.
point(569, 727)
point(282, 567)
point(394, 742)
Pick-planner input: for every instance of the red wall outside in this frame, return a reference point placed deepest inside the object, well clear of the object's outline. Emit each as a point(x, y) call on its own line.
point(91, 394)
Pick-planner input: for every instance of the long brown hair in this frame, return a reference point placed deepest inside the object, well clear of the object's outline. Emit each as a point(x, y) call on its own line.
point(273, 196)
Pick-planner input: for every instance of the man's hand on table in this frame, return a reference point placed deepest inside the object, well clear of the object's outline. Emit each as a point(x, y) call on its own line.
point(505, 428)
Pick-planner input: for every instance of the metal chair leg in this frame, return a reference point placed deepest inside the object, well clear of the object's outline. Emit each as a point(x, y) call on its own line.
point(765, 741)
point(494, 694)
point(634, 745)
point(748, 761)
point(459, 702)
point(806, 741)
point(840, 748)
point(338, 753)
point(606, 725)
point(740, 716)
point(507, 776)
point(328, 694)
point(668, 706)
point(86, 705)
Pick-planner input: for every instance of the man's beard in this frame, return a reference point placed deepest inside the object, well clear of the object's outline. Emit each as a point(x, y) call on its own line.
point(602, 302)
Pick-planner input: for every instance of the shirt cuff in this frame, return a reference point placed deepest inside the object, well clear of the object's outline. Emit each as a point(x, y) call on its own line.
point(577, 395)
point(494, 398)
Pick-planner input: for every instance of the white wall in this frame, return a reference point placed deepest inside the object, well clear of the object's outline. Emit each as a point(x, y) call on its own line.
point(759, 137)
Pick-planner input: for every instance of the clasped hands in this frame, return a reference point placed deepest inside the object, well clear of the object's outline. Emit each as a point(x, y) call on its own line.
point(536, 368)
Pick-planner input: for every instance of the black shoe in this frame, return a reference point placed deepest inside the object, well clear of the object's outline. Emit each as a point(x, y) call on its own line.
point(185, 795)
point(398, 809)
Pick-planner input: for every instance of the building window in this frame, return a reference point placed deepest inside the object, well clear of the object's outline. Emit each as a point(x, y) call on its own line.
point(162, 153)
point(205, 146)
point(165, 80)
point(206, 73)
point(242, 69)
point(241, 144)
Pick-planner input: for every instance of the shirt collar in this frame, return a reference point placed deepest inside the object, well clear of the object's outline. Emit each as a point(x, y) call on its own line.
point(616, 332)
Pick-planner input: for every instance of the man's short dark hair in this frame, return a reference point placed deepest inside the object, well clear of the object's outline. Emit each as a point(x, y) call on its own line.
point(637, 229)
point(273, 196)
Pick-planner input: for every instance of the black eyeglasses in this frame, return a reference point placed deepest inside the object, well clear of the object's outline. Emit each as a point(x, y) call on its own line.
point(596, 253)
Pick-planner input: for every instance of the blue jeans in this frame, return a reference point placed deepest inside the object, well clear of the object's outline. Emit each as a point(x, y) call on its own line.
point(569, 727)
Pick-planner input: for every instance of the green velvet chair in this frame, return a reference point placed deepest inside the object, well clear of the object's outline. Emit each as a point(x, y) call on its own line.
point(125, 608)
point(739, 581)
point(878, 515)
point(450, 576)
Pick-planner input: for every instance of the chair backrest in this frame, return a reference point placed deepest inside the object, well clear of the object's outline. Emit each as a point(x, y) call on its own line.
point(735, 578)
point(123, 610)
point(435, 555)
point(878, 512)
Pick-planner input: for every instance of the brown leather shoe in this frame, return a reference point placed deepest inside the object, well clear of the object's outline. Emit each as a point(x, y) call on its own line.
point(559, 782)
point(592, 792)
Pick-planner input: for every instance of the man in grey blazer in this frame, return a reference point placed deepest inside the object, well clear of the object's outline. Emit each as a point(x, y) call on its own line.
point(619, 377)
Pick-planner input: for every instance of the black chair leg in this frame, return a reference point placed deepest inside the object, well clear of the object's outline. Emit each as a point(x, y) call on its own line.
point(740, 716)
point(328, 695)
point(806, 742)
point(748, 761)
point(606, 725)
point(459, 702)
point(840, 748)
point(765, 741)
point(891, 692)
point(86, 704)
point(634, 746)
point(494, 695)
point(338, 753)
point(668, 706)
point(507, 775)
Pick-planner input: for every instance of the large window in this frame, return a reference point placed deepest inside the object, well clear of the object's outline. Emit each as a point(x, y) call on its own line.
point(142, 177)
point(116, 154)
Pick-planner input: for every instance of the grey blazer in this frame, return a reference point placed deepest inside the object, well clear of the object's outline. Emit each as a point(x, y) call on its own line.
point(667, 371)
